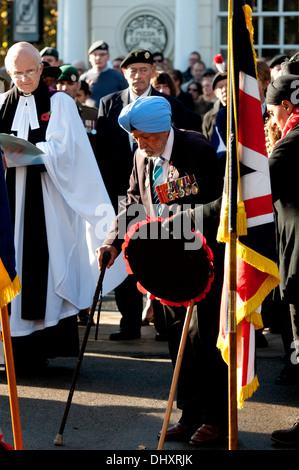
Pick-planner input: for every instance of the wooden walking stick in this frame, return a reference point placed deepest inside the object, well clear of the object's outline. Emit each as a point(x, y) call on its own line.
point(59, 438)
point(11, 379)
point(176, 374)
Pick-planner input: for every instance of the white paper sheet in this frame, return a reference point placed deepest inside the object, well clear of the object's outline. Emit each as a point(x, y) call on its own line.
point(20, 152)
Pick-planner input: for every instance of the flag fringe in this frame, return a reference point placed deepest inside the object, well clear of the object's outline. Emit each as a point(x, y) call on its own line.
point(248, 19)
point(222, 233)
point(10, 292)
point(9, 289)
point(257, 260)
point(247, 391)
point(241, 219)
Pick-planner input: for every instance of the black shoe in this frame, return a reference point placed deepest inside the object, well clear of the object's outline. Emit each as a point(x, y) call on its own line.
point(178, 432)
point(207, 434)
point(122, 335)
point(83, 318)
point(287, 436)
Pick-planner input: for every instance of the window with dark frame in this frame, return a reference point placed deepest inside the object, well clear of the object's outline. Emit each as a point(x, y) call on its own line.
point(276, 27)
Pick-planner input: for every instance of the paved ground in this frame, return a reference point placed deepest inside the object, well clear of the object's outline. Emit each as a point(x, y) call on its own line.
point(121, 396)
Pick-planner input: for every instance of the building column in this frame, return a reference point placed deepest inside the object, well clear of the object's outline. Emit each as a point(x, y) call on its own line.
point(72, 30)
point(60, 40)
point(186, 32)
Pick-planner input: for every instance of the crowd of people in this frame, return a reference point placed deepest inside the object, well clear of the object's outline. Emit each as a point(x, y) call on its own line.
point(100, 130)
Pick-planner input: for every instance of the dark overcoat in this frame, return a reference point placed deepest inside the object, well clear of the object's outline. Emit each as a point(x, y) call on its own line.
point(285, 192)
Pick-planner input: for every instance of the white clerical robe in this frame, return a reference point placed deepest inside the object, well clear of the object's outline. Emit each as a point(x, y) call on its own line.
point(78, 214)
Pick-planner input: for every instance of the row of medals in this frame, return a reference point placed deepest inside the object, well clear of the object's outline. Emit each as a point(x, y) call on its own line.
point(182, 190)
point(179, 188)
point(182, 187)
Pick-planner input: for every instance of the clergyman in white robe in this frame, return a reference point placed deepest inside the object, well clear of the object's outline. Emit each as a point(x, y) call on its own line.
point(78, 214)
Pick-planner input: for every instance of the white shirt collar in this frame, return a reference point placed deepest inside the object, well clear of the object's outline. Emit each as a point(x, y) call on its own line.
point(134, 97)
point(168, 147)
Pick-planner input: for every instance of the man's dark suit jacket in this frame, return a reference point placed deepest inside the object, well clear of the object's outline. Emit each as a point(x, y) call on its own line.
point(114, 153)
point(191, 154)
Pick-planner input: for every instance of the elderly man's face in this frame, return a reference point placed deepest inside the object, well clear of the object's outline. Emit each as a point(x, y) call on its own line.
point(152, 145)
point(139, 76)
point(26, 71)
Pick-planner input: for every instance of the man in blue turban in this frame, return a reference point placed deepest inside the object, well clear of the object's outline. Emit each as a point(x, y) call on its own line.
point(151, 114)
point(189, 170)
point(148, 120)
point(114, 156)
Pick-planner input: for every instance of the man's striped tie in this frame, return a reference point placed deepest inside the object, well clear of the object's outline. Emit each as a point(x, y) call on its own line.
point(157, 177)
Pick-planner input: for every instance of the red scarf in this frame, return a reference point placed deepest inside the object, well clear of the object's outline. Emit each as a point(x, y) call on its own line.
point(292, 121)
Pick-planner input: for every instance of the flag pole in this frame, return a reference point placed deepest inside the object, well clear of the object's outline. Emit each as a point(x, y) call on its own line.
point(232, 192)
point(11, 379)
point(232, 369)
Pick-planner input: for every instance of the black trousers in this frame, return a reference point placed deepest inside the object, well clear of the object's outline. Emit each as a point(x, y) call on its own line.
point(202, 391)
point(129, 302)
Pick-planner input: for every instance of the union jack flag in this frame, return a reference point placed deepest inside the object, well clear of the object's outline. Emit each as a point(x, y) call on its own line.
point(247, 203)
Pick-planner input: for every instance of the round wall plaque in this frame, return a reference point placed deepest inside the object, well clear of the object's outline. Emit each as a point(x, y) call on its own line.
point(147, 32)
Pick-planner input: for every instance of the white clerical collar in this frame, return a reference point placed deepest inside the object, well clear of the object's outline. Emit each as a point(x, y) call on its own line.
point(25, 116)
point(134, 97)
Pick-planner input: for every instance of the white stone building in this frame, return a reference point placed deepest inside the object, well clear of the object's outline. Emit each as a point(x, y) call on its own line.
point(175, 27)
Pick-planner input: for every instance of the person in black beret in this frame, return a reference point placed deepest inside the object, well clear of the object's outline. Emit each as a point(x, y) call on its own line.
point(291, 66)
point(136, 56)
point(98, 45)
point(50, 55)
point(284, 88)
point(101, 78)
point(275, 65)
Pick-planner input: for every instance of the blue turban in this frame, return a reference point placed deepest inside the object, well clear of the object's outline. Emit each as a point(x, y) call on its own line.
point(150, 114)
